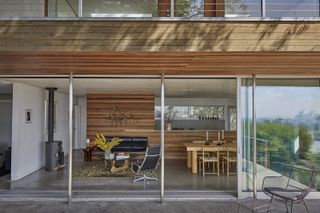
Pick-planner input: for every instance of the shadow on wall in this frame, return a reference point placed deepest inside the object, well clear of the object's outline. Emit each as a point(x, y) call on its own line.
point(157, 36)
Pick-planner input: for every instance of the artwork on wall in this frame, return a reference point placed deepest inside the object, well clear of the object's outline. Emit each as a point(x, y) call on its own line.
point(28, 116)
point(119, 117)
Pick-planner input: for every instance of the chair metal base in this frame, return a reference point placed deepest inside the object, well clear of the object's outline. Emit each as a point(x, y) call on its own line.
point(144, 178)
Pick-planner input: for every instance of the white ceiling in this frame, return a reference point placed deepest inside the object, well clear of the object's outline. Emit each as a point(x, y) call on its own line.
point(186, 88)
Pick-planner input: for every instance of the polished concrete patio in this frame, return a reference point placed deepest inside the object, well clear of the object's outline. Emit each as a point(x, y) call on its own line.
point(139, 207)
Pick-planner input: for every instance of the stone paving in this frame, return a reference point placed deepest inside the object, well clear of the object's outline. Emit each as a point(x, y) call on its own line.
point(139, 207)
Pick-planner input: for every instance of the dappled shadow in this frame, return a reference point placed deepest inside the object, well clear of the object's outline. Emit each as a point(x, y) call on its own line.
point(125, 46)
point(155, 36)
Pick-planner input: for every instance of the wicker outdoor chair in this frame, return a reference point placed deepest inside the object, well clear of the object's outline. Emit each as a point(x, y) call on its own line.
point(288, 191)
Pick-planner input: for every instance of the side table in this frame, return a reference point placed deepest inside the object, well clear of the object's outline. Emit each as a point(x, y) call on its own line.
point(114, 168)
point(87, 155)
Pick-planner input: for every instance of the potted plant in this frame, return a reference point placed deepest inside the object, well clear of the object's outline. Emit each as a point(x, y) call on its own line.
point(106, 146)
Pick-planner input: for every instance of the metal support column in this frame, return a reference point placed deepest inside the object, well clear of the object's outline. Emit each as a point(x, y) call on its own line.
point(254, 136)
point(162, 140)
point(80, 8)
point(70, 137)
point(172, 6)
point(263, 9)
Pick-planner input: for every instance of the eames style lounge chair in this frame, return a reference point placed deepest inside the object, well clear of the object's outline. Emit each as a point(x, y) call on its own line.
point(147, 166)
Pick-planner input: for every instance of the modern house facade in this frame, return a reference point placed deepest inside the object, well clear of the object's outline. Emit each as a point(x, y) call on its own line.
point(169, 72)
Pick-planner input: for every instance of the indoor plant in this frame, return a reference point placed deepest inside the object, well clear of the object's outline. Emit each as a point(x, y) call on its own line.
point(106, 146)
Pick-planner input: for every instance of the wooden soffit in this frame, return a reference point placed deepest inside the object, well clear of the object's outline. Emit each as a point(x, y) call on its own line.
point(154, 63)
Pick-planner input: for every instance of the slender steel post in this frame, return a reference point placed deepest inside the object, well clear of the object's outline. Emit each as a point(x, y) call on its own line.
point(263, 9)
point(172, 6)
point(80, 8)
point(162, 140)
point(70, 137)
point(254, 136)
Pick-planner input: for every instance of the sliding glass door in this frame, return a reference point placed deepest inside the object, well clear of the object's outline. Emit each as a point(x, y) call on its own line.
point(288, 128)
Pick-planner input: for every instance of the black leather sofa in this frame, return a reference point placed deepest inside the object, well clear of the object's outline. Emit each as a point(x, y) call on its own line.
point(130, 144)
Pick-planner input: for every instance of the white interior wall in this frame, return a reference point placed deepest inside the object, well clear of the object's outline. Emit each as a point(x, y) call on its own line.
point(27, 139)
point(28, 148)
point(80, 124)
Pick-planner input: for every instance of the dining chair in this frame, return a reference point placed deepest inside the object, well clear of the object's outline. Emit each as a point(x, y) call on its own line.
point(199, 154)
point(230, 159)
point(209, 155)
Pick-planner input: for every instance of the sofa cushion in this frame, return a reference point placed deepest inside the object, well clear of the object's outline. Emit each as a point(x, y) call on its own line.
point(124, 146)
point(139, 144)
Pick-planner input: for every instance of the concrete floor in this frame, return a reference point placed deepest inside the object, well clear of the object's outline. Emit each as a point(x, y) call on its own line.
point(140, 207)
point(177, 178)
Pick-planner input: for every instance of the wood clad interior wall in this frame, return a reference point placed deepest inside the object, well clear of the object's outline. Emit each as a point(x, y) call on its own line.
point(173, 36)
point(100, 108)
point(141, 106)
point(174, 139)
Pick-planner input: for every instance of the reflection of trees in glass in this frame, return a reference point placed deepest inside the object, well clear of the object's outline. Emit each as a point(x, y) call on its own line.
point(233, 118)
point(188, 8)
point(208, 113)
point(236, 6)
point(276, 144)
point(280, 138)
point(121, 6)
point(305, 142)
point(170, 114)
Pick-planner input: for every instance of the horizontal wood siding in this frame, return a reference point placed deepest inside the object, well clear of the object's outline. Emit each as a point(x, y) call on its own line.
point(158, 36)
point(155, 63)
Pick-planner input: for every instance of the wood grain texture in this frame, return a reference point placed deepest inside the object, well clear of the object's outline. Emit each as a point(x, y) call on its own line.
point(156, 63)
point(163, 8)
point(214, 8)
point(174, 139)
point(140, 108)
point(158, 36)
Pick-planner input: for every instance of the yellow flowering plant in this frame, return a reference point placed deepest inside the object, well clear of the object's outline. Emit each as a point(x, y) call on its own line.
point(104, 145)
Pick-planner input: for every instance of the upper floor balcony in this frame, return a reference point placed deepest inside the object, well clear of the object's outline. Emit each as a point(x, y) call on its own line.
point(159, 9)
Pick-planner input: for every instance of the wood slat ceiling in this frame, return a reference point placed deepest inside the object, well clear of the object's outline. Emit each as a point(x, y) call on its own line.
point(153, 63)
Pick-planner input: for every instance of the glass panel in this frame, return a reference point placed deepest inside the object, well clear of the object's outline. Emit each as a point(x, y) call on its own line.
point(246, 124)
point(21, 8)
point(288, 126)
point(233, 118)
point(242, 8)
point(63, 8)
point(29, 160)
point(189, 8)
point(292, 8)
point(121, 8)
point(116, 108)
point(196, 112)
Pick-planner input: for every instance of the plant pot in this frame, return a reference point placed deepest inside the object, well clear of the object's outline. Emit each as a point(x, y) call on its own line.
point(108, 155)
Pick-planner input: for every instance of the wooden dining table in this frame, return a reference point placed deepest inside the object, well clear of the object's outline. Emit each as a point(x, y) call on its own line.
point(193, 148)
